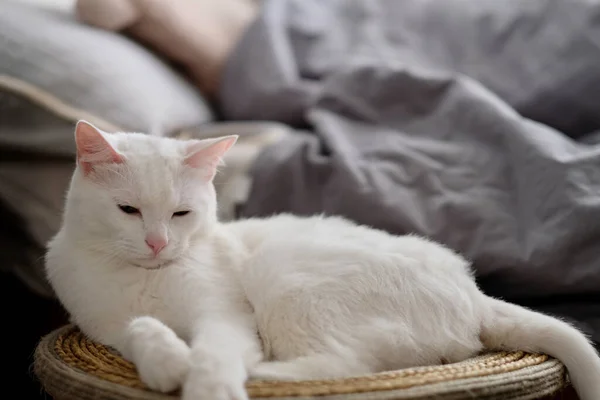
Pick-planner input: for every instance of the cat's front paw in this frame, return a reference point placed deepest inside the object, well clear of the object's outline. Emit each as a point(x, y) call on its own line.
point(214, 388)
point(161, 357)
point(213, 378)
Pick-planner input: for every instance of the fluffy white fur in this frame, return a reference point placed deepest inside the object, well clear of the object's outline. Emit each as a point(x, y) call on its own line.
point(277, 298)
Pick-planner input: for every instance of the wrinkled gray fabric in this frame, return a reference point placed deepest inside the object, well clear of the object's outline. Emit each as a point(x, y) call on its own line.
point(456, 119)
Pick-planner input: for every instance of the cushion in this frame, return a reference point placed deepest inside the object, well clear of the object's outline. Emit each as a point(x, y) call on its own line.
point(78, 71)
point(197, 34)
point(70, 366)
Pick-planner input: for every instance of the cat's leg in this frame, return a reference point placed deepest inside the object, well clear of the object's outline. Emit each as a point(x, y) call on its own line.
point(161, 357)
point(224, 346)
point(316, 366)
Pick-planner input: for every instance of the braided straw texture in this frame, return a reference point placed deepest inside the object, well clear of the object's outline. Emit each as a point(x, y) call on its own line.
point(72, 367)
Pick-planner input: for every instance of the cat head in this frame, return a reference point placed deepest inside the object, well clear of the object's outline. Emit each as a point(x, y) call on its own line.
point(139, 198)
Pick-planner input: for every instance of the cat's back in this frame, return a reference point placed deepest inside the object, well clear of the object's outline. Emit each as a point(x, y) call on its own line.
point(336, 235)
point(297, 252)
point(299, 229)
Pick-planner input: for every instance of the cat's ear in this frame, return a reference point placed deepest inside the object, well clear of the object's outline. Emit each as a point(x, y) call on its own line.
point(93, 148)
point(206, 155)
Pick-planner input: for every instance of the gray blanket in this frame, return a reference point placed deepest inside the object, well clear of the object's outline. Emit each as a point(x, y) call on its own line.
point(468, 121)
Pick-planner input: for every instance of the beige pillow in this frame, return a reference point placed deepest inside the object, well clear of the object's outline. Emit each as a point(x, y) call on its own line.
point(197, 34)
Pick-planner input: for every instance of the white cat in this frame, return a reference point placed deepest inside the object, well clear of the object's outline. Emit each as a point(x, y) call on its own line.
point(142, 264)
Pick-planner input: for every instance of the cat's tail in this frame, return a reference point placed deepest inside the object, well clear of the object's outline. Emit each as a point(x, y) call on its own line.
point(512, 327)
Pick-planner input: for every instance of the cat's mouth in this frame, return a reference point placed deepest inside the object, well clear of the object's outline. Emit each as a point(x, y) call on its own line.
point(153, 265)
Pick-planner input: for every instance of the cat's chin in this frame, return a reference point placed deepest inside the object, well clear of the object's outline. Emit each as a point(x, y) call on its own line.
point(152, 264)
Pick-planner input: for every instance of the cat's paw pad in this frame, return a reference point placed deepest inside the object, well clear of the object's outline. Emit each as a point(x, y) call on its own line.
point(214, 388)
point(162, 359)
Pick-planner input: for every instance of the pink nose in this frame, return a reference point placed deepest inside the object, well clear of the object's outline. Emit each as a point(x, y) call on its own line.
point(156, 243)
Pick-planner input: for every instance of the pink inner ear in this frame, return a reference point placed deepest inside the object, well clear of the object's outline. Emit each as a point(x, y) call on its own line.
point(93, 148)
point(207, 157)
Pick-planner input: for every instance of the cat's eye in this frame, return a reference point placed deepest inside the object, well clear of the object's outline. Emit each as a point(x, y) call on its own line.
point(180, 213)
point(129, 209)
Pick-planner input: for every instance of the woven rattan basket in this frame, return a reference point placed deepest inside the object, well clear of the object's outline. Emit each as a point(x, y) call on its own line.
point(71, 367)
